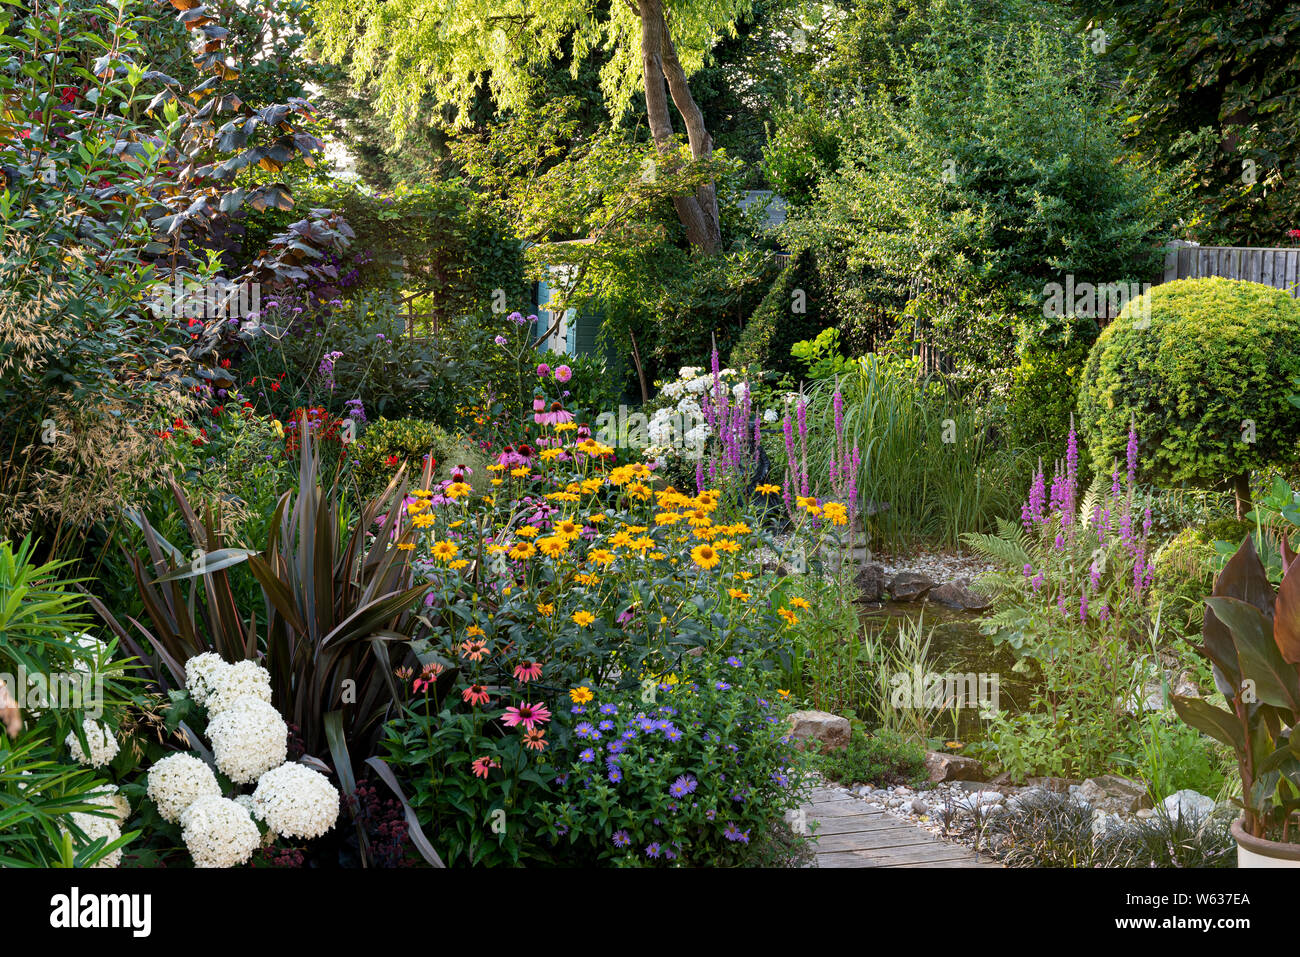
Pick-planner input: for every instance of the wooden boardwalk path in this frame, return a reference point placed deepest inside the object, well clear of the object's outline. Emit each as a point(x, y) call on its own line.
point(851, 833)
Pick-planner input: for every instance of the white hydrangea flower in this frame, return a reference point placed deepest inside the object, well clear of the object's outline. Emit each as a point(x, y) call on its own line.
point(99, 737)
point(296, 802)
point(177, 781)
point(109, 797)
point(242, 679)
point(770, 415)
point(94, 827)
point(248, 738)
point(219, 832)
point(201, 673)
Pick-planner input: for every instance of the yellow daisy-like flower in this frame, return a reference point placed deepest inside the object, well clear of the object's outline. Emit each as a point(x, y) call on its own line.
point(667, 518)
point(837, 513)
point(496, 467)
point(790, 617)
point(422, 493)
point(657, 556)
point(476, 631)
point(744, 576)
point(638, 491)
point(568, 528)
point(497, 481)
point(782, 692)
point(620, 539)
point(522, 550)
point(458, 564)
point(562, 496)
point(583, 618)
point(642, 544)
point(738, 594)
point(800, 603)
point(406, 546)
point(553, 545)
point(706, 534)
point(597, 517)
point(522, 472)
point(527, 531)
point(739, 528)
point(768, 490)
point(565, 426)
point(699, 518)
point(444, 551)
point(582, 578)
point(591, 485)
point(621, 475)
point(580, 695)
point(546, 609)
point(423, 521)
point(727, 545)
point(600, 556)
point(636, 529)
point(549, 454)
point(419, 505)
point(494, 548)
point(457, 490)
point(705, 556)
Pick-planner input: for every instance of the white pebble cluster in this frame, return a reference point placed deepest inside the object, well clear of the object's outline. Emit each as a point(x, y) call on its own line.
point(219, 832)
point(295, 801)
point(177, 781)
point(248, 738)
point(99, 738)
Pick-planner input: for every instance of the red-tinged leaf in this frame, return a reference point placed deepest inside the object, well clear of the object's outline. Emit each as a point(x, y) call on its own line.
point(1286, 614)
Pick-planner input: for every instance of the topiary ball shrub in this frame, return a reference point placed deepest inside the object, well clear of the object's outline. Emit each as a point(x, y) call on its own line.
point(1202, 369)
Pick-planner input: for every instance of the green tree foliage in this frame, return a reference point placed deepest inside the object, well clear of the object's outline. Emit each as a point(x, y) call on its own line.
point(1214, 87)
point(994, 171)
point(1202, 369)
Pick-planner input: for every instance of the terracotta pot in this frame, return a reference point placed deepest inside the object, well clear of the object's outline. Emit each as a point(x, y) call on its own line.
point(1258, 852)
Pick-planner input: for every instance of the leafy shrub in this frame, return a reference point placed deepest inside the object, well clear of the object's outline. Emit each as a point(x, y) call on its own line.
point(690, 776)
point(789, 313)
point(387, 444)
point(1204, 378)
point(884, 757)
point(1045, 385)
point(1184, 573)
point(1051, 830)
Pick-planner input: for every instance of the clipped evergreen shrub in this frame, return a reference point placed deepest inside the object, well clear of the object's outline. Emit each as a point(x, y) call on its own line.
point(791, 312)
point(1202, 368)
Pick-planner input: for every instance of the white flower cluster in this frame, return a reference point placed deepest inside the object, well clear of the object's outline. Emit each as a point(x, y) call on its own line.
point(679, 430)
point(177, 781)
point(95, 826)
point(241, 680)
point(219, 832)
point(249, 743)
point(295, 801)
point(101, 741)
point(248, 738)
point(201, 673)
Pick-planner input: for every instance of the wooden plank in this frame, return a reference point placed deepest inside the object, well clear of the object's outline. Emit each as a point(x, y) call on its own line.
point(1266, 273)
point(890, 839)
point(1292, 262)
point(855, 825)
point(886, 857)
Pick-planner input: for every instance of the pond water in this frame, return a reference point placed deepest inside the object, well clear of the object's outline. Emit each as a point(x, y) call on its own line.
point(957, 648)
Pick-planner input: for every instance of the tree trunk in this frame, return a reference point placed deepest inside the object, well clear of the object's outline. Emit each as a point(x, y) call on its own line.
point(664, 76)
point(1241, 491)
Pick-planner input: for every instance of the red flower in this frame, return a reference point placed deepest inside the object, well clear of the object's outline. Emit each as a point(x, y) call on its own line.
point(275, 387)
point(69, 95)
point(225, 363)
point(391, 461)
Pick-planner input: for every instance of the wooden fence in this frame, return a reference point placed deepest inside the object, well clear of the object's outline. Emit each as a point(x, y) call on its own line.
point(1272, 267)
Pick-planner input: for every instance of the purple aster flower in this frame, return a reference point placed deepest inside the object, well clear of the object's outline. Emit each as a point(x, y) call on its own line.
point(621, 838)
point(587, 756)
point(684, 785)
point(652, 849)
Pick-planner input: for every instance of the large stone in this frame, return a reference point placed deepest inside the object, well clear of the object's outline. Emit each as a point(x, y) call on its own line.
point(957, 595)
point(910, 586)
point(1194, 804)
point(1113, 794)
point(829, 731)
point(953, 767)
point(871, 582)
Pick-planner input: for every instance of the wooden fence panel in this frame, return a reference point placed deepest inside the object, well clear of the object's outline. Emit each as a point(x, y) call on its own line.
point(1271, 267)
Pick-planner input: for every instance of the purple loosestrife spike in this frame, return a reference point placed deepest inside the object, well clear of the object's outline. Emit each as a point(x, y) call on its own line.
point(1132, 455)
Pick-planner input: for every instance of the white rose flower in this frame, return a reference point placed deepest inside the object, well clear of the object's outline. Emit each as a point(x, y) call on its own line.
point(248, 738)
point(219, 832)
point(94, 827)
point(242, 679)
point(99, 737)
point(201, 672)
point(177, 781)
point(296, 802)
